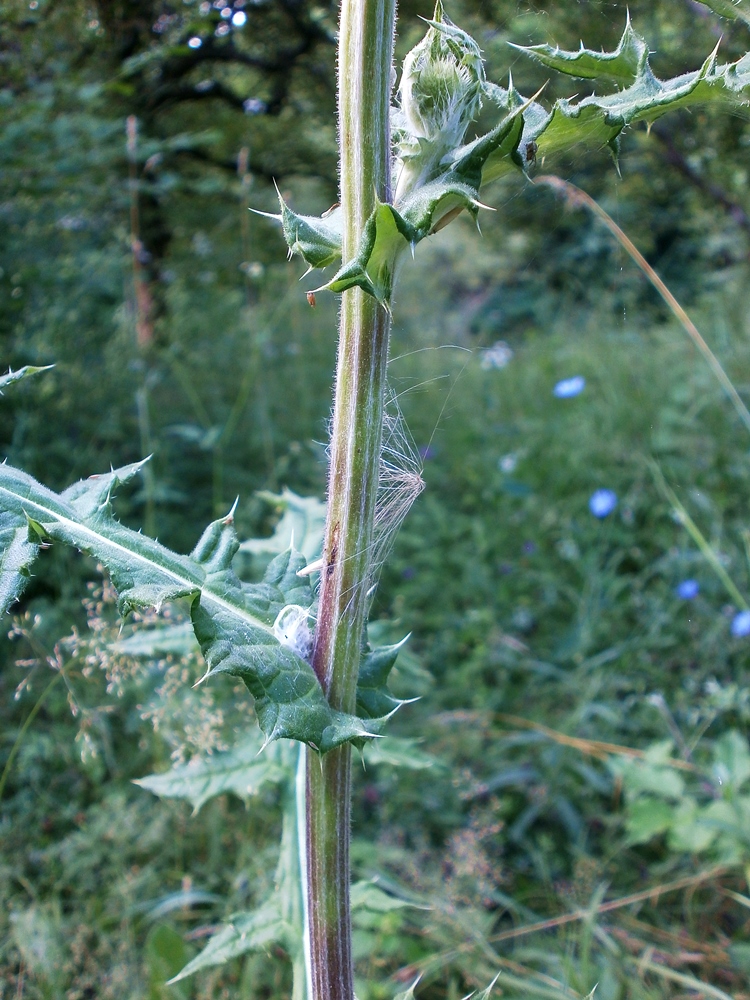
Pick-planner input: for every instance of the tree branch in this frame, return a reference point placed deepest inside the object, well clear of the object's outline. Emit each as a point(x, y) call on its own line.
point(676, 159)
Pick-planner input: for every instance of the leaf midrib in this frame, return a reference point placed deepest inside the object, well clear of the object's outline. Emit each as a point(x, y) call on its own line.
point(206, 594)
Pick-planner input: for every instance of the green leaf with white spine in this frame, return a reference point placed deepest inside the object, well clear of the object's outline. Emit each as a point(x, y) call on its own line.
point(484, 995)
point(255, 930)
point(11, 377)
point(278, 920)
point(391, 231)
point(374, 700)
point(17, 553)
point(436, 175)
point(233, 621)
point(598, 120)
point(519, 150)
point(316, 239)
point(646, 97)
point(244, 933)
point(621, 66)
point(468, 162)
point(243, 771)
point(408, 994)
point(733, 9)
point(385, 238)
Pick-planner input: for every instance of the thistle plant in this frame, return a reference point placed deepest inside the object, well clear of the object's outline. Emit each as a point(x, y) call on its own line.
point(406, 171)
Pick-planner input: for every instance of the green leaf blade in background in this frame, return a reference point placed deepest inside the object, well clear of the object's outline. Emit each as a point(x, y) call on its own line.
point(11, 377)
point(300, 526)
point(733, 9)
point(244, 771)
point(245, 932)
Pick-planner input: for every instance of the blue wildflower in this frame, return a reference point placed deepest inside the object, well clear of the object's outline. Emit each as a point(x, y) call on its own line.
point(741, 624)
point(569, 387)
point(602, 502)
point(687, 589)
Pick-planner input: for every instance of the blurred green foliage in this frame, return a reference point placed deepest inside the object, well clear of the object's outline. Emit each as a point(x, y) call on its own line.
point(520, 602)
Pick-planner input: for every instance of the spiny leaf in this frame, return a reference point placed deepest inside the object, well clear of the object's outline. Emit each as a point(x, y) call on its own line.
point(280, 919)
point(17, 553)
point(621, 66)
point(245, 932)
point(243, 771)
point(484, 995)
point(409, 994)
point(423, 210)
point(10, 377)
point(646, 97)
point(317, 240)
point(233, 621)
point(255, 930)
point(598, 120)
point(374, 701)
point(385, 238)
point(437, 175)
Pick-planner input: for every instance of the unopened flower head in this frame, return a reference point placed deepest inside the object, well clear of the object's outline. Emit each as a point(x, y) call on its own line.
point(442, 82)
point(440, 94)
point(602, 502)
point(569, 387)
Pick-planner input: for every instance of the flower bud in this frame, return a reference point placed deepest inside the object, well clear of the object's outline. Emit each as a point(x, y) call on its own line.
point(442, 83)
point(439, 97)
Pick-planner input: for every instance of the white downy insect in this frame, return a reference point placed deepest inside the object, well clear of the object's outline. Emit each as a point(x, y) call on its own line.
point(292, 629)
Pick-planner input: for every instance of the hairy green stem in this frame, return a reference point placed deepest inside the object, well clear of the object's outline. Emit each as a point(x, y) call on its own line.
point(365, 59)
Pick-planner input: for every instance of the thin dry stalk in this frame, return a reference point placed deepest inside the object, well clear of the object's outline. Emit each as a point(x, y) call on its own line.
point(646, 895)
point(592, 748)
point(579, 199)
